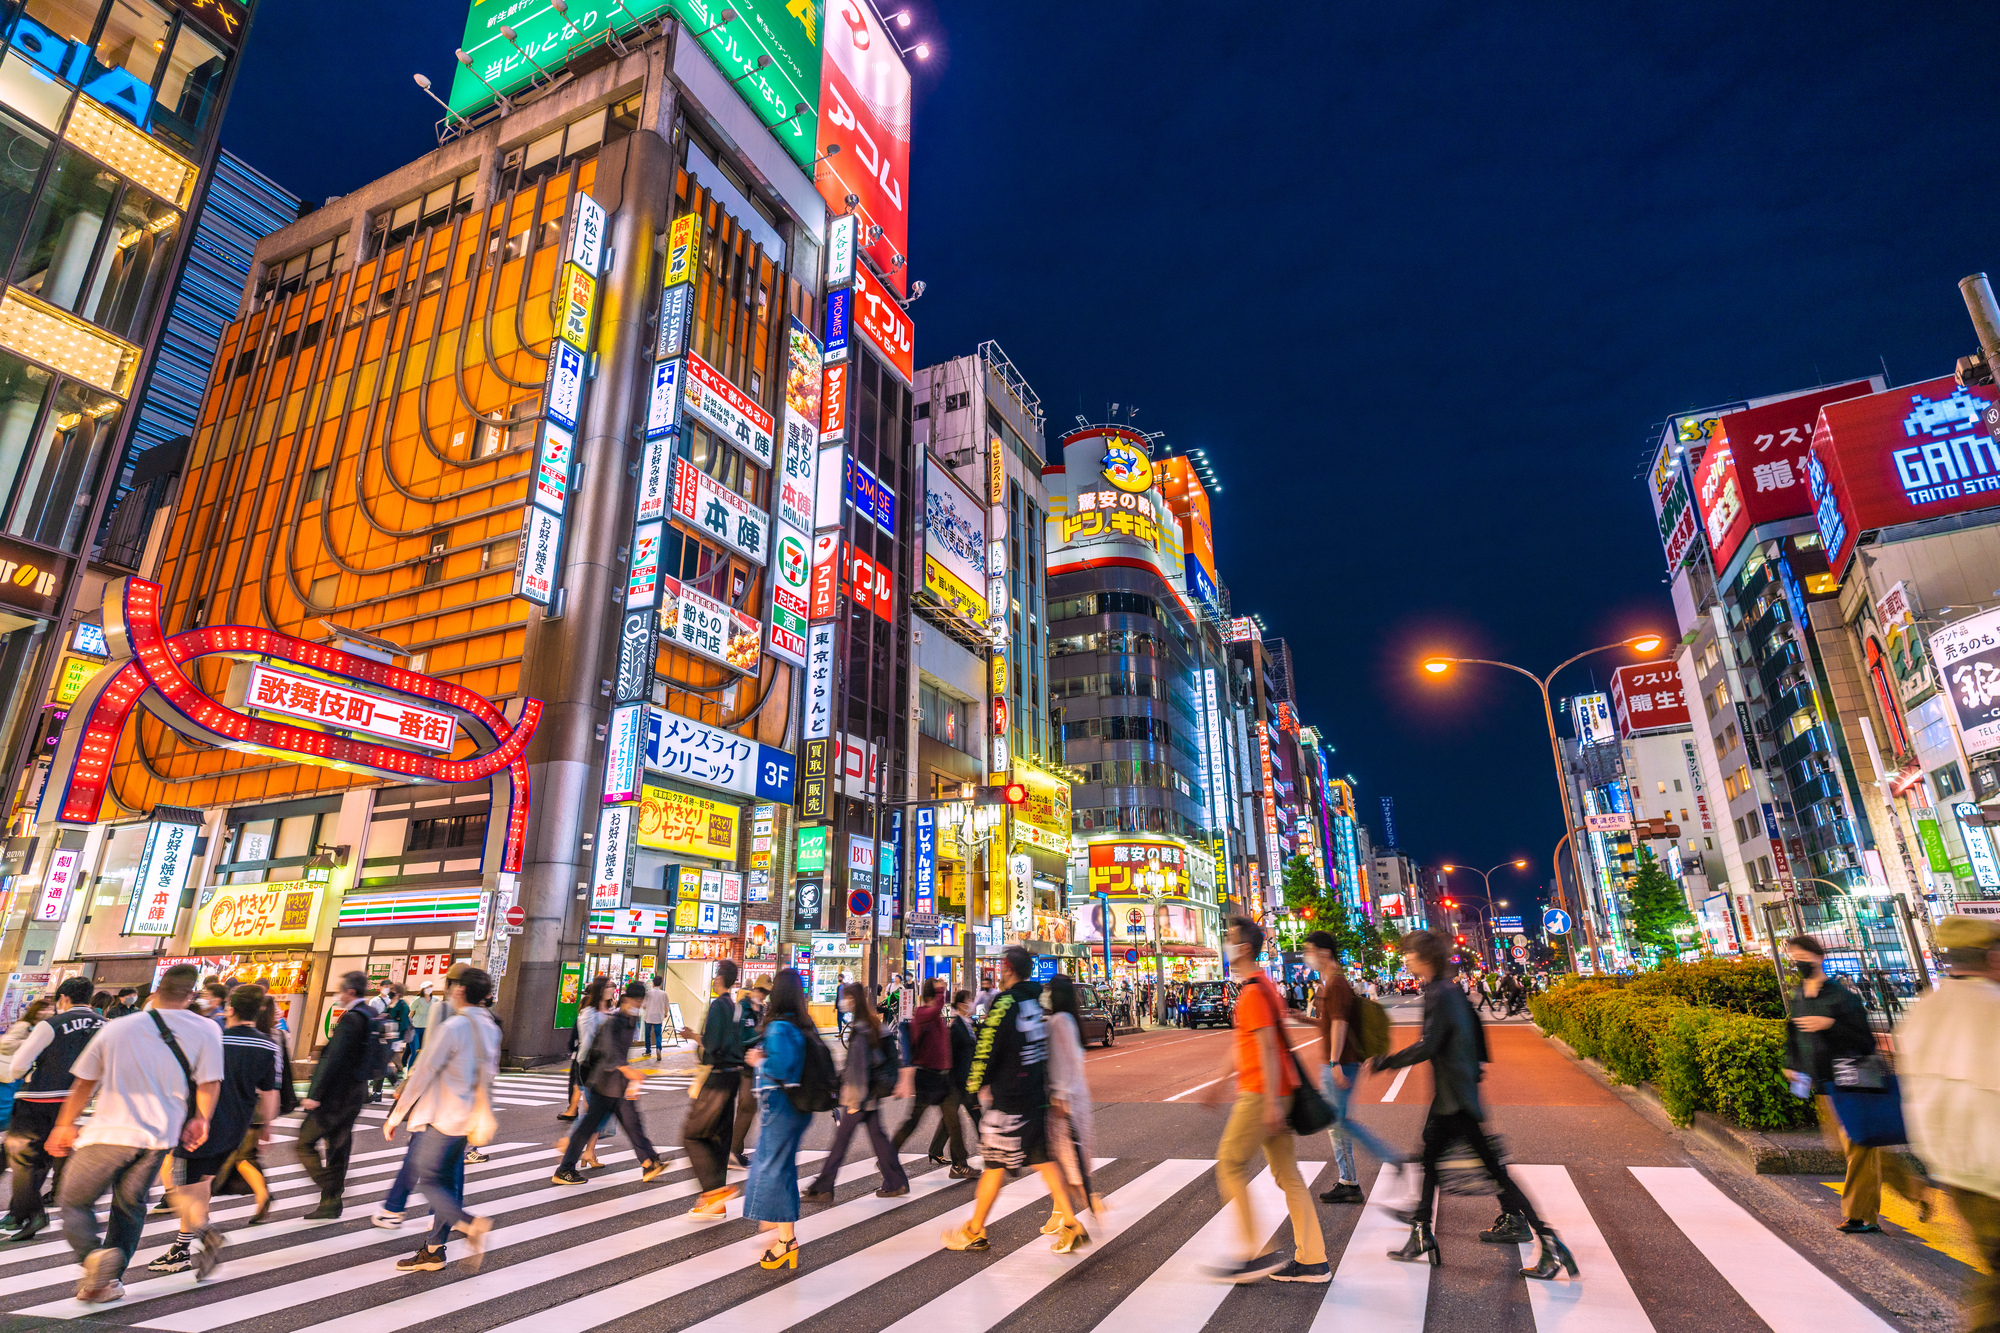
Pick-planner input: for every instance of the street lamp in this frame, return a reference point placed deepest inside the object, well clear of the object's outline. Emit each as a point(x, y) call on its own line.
point(1641, 643)
point(1156, 888)
point(1485, 877)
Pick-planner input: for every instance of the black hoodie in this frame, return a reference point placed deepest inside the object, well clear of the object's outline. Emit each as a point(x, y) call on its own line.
point(1012, 1057)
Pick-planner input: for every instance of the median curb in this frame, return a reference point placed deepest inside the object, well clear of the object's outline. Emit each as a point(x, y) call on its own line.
point(1778, 1153)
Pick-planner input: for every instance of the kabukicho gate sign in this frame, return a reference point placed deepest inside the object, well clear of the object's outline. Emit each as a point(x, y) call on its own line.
point(362, 716)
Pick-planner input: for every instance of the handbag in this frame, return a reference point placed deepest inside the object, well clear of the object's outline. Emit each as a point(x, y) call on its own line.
point(715, 1106)
point(1870, 1073)
point(1308, 1113)
point(1870, 1119)
point(483, 1125)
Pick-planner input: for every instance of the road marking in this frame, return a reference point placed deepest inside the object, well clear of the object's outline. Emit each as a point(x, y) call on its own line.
point(1396, 1084)
point(1773, 1279)
point(1598, 1299)
point(996, 1291)
point(649, 1289)
point(1211, 1083)
point(1369, 1289)
point(1178, 1296)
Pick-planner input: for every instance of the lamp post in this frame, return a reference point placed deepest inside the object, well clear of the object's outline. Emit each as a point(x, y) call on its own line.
point(1156, 893)
point(1642, 643)
point(1486, 878)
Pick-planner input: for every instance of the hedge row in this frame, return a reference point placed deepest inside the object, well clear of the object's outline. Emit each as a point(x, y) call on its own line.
point(1707, 1036)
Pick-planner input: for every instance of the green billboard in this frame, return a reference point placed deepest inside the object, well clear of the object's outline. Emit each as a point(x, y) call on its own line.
point(788, 32)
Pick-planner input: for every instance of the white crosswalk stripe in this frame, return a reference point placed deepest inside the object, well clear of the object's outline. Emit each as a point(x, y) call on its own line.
point(871, 1254)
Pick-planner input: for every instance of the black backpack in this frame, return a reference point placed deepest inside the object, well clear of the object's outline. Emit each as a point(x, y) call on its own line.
point(885, 1065)
point(818, 1088)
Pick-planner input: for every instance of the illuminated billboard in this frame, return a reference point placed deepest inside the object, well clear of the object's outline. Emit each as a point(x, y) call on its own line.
point(1096, 518)
point(1754, 470)
point(865, 97)
point(769, 50)
point(954, 543)
point(1918, 452)
point(1187, 498)
point(1649, 697)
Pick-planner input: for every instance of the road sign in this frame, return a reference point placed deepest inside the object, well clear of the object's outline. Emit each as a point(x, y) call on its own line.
point(1520, 953)
point(1555, 921)
point(1131, 955)
point(517, 917)
point(858, 903)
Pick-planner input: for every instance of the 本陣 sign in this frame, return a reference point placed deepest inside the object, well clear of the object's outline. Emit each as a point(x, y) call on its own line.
point(714, 510)
point(162, 875)
point(257, 916)
point(727, 410)
point(336, 706)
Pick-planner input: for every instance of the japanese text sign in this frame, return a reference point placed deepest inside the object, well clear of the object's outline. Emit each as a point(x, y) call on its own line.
point(323, 701)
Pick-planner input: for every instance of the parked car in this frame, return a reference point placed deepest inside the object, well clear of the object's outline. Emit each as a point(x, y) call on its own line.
point(1093, 1016)
point(1207, 1005)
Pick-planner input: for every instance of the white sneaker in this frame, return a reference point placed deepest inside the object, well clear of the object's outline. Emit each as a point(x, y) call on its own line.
point(387, 1220)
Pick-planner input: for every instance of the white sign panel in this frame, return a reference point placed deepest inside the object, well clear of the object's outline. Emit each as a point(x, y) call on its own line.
point(840, 246)
point(613, 859)
point(1611, 823)
point(703, 625)
point(623, 746)
point(798, 477)
point(826, 488)
point(654, 464)
point(727, 410)
point(552, 468)
point(663, 404)
point(322, 701)
point(642, 583)
point(819, 681)
point(58, 882)
point(536, 568)
point(708, 506)
point(586, 235)
point(1978, 846)
point(1967, 656)
point(161, 878)
point(692, 751)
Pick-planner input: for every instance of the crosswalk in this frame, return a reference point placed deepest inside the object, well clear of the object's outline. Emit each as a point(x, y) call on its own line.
point(511, 1090)
point(616, 1251)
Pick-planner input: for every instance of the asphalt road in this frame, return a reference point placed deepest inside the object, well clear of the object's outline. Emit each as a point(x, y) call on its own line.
point(1667, 1240)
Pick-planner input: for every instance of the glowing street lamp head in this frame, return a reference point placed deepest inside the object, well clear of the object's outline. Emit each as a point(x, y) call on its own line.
point(1437, 666)
point(1520, 865)
point(1645, 643)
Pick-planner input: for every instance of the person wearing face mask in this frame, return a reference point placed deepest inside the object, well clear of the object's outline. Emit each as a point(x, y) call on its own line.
point(1829, 1023)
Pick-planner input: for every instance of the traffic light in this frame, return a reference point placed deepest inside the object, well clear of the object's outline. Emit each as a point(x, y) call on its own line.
point(1011, 793)
point(1447, 902)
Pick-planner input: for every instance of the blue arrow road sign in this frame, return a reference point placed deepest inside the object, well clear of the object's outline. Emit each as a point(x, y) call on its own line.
point(1555, 921)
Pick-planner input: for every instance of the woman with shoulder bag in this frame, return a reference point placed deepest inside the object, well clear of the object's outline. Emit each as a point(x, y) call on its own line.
point(772, 1194)
point(1070, 1131)
point(869, 1076)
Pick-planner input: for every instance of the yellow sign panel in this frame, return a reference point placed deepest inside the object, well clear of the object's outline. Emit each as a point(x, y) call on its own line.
point(1047, 805)
point(576, 297)
point(672, 821)
point(76, 673)
point(683, 249)
point(999, 674)
point(258, 916)
point(950, 589)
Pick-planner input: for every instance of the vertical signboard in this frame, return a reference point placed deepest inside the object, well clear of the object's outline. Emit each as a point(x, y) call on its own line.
point(162, 875)
point(924, 862)
point(58, 882)
point(625, 742)
point(612, 861)
point(819, 681)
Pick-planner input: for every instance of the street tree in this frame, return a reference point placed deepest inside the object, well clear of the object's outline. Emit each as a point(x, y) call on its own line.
point(1657, 907)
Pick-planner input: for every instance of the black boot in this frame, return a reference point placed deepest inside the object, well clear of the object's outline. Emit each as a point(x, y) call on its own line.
point(1551, 1255)
point(1422, 1244)
point(1509, 1229)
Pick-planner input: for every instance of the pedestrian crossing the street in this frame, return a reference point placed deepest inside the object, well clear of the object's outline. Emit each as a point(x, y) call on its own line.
point(618, 1252)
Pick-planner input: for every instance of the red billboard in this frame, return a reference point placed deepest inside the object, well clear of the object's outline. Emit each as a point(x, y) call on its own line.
point(1755, 468)
point(864, 101)
point(1649, 697)
point(885, 324)
point(1901, 456)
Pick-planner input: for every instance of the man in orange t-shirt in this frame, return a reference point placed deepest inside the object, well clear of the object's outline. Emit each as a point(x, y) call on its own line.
point(1265, 1082)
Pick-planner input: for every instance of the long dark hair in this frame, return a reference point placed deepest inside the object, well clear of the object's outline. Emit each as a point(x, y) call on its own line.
point(593, 994)
point(1062, 995)
point(865, 1012)
point(787, 1001)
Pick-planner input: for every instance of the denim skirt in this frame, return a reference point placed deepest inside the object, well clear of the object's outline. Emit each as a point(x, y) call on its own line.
point(772, 1193)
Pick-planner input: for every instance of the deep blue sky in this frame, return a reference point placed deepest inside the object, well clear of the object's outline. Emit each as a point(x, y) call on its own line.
point(1423, 279)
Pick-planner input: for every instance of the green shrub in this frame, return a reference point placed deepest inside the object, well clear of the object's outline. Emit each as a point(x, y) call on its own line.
point(1560, 1012)
point(1741, 986)
point(1628, 1027)
point(1742, 1064)
point(1678, 1076)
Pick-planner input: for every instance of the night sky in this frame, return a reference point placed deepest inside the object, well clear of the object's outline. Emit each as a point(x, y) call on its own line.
point(1422, 279)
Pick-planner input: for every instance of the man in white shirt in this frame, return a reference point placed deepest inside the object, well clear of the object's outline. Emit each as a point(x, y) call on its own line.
point(155, 1076)
point(654, 1016)
point(448, 1096)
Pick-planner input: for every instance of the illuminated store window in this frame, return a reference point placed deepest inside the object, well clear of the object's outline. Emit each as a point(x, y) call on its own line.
point(134, 36)
point(51, 484)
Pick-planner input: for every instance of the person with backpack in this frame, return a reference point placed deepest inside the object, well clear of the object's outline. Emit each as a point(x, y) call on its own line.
point(1351, 1030)
point(611, 1088)
point(794, 1079)
point(41, 1065)
point(450, 1094)
point(746, 1094)
point(1455, 1046)
point(155, 1076)
point(705, 1132)
point(339, 1089)
point(396, 1015)
point(867, 1080)
point(931, 1054)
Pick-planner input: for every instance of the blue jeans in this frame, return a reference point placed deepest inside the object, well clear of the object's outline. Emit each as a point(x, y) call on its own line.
point(440, 1177)
point(1347, 1131)
point(653, 1043)
point(398, 1197)
point(772, 1192)
point(416, 1044)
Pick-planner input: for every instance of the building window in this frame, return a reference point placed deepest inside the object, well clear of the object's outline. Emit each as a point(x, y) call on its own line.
point(324, 592)
point(316, 482)
point(433, 568)
point(389, 229)
point(302, 270)
point(427, 835)
point(1948, 781)
point(500, 554)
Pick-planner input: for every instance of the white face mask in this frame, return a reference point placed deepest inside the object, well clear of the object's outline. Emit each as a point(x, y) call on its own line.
point(1239, 954)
